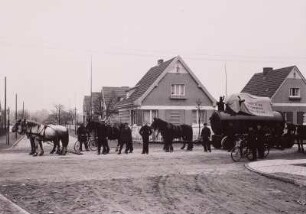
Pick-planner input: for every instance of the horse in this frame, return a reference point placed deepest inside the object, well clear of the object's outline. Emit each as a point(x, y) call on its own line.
point(16, 127)
point(170, 131)
point(298, 133)
point(42, 133)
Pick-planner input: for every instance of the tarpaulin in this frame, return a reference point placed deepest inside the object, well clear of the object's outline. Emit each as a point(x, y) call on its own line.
point(249, 104)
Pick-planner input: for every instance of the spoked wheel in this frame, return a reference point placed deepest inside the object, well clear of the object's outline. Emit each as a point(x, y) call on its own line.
point(236, 154)
point(77, 146)
point(93, 145)
point(249, 154)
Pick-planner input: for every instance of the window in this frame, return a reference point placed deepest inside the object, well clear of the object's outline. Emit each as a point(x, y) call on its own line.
point(300, 117)
point(148, 115)
point(294, 93)
point(178, 89)
point(288, 117)
point(195, 116)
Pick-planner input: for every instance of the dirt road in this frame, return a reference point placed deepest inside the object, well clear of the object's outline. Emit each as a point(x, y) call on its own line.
point(179, 182)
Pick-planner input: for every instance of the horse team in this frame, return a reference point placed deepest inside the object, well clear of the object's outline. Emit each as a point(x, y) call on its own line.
point(39, 133)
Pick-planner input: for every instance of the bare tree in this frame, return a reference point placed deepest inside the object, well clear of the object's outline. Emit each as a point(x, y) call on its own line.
point(59, 108)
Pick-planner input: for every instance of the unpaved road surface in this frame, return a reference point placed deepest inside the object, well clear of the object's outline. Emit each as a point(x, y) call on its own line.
point(179, 182)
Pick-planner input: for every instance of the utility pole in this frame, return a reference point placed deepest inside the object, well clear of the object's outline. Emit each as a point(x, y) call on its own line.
point(5, 130)
point(8, 126)
point(225, 79)
point(90, 114)
point(75, 120)
point(16, 113)
point(23, 110)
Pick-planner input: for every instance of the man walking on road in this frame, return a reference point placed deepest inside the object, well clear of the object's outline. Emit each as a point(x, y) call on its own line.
point(205, 134)
point(145, 132)
point(82, 137)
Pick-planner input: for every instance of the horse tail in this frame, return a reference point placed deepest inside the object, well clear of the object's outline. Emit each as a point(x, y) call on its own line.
point(65, 138)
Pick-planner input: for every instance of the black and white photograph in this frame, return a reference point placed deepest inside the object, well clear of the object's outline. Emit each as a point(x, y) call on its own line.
point(152, 107)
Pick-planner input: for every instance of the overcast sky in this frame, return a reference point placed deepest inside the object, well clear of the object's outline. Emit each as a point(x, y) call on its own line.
point(46, 46)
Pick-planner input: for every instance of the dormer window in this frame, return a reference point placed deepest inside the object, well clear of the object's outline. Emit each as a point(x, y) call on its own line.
point(294, 93)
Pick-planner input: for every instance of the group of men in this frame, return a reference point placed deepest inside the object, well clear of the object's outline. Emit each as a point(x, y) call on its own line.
point(125, 138)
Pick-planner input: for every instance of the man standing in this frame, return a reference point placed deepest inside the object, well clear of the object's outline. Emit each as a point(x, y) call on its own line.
point(82, 137)
point(145, 132)
point(205, 134)
point(102, 134)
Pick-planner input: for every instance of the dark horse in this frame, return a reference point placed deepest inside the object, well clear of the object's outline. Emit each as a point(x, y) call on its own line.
point(109, 132)
point(170, 132)
point(298, 133)
point(42, 133)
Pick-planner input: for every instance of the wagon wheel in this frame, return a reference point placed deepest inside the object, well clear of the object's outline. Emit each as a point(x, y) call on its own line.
point(227, 143)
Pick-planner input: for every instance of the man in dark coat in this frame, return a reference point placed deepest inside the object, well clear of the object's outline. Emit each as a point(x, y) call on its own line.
point(252, 142)
point(205, 134)
point(126, 138)
point(145, 132)
point(82, 137)
point(260, 137)
point(102, 135)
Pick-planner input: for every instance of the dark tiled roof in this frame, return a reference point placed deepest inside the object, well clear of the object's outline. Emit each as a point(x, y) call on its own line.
point(266, 85)
point(146, 81)
point(110, 93)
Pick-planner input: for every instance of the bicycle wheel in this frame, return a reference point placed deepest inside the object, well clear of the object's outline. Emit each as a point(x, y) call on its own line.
point(92, 144)
point(236, 154)
point(249, 154)
point(77, 146)
point(266, 150)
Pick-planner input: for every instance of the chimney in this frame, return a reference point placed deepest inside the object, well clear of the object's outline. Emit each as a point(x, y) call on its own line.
point(266, 70)
point(160, 61)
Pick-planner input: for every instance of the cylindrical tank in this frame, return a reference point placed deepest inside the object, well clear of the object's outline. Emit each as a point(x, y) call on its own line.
point(222, 123)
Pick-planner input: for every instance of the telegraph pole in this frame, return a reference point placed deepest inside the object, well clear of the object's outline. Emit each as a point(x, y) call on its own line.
point(5, 130)
point(75, 120)
point(8, 126)
point(23, 110)
point(90, 114)
point(16, 116)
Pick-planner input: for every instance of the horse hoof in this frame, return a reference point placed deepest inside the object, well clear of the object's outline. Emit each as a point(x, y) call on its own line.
point(35, 154)
point(41, 154)
point(51, 152)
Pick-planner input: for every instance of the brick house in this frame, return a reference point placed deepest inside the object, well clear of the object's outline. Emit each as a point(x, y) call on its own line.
point(287, 89)
point(170, 91)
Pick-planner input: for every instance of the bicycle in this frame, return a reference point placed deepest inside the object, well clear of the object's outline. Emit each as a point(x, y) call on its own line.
point(241, 150)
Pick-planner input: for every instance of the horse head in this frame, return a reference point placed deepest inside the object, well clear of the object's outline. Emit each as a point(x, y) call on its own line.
point(16, 126)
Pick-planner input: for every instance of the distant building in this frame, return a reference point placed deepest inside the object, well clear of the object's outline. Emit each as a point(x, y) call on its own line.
point(103, 103)
point(170, 91)
point(287, 89)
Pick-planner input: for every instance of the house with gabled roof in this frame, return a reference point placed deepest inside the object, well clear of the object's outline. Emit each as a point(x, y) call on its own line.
point(103, 103)
point(170, 91)
point(287, 89)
